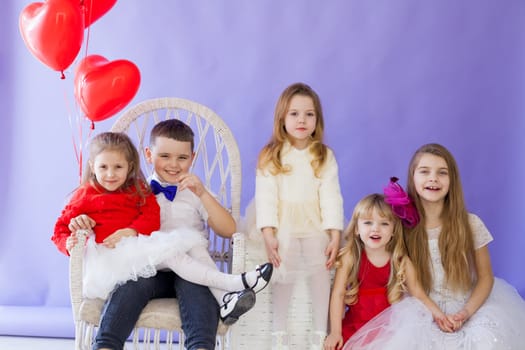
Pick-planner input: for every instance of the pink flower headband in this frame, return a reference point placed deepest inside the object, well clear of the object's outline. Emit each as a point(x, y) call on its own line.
point(401, 204)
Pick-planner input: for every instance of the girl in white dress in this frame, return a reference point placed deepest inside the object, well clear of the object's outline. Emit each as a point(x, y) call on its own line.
point(449, 251)
point(299, 208)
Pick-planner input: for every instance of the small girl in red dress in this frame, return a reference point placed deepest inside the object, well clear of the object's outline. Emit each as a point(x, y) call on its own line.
point(373, 270)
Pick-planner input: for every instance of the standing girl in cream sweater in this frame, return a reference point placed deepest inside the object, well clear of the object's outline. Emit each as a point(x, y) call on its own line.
point(299, 208)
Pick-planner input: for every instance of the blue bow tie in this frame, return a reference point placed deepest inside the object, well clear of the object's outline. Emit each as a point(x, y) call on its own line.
point(169, 191)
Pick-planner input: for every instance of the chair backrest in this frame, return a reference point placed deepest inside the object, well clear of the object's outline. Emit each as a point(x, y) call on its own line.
point(217, 158)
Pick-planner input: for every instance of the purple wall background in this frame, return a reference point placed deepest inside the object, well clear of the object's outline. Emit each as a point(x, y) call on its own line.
point(391, 76)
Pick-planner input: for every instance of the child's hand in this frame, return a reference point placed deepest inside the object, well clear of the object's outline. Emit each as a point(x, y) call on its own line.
point(112, 240)
point(192, 182)
point(81, 222)
point(332, 248)
point(333, 342)
point(272, 245)
point(443, 322)
point(459, 318)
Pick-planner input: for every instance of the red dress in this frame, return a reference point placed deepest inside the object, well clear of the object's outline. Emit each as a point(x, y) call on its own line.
point(371, 297)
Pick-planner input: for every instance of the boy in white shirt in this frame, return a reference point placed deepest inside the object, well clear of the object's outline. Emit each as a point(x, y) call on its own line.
point(189, 206)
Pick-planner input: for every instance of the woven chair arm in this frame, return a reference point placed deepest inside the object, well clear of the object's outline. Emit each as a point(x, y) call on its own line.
point(238, 252)
point(76, 262)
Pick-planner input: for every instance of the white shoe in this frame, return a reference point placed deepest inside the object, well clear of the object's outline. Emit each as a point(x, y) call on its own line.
point(235, 305)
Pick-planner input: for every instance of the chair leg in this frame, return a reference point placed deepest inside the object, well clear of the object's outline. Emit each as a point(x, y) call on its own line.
point(317, 340)
point(182, 339)
point(78, 335)
point(83, 335)
point(280, 340)
point(169, 340)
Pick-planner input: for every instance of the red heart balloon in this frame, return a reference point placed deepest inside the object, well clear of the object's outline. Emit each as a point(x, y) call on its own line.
point(53, 31)
point(94, 9)
point(102, 88)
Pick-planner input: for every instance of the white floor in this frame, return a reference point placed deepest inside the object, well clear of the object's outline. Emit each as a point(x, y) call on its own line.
point(29, 343)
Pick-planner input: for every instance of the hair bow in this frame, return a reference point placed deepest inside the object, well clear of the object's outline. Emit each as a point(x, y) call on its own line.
point(401, 204)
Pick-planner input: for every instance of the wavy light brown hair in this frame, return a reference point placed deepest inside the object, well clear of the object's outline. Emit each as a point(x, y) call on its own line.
point(352, 251)
point(119, 142)
point(456, 243)
point(270, 156)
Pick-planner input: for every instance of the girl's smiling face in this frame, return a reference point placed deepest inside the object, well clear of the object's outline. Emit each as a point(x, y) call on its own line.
point(375, 230)
point(111, 169)
point(431, 178)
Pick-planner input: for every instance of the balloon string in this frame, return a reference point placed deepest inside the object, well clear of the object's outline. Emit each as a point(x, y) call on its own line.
point(87, 139)
point(88, 28)
point(81, 145)
point(80, 161)
point(76, 149)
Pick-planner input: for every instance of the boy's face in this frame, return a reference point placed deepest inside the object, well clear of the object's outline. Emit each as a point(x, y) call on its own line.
point(170, 158)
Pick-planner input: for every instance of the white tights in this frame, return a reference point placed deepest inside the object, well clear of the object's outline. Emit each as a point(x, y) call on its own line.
point(198, 267)
point(304, 252)
point(319, 287)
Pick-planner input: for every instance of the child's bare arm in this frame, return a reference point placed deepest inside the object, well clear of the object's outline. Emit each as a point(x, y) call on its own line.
point(482, 288)
point(219, 219)
point(271, 244)
point(415, 289)
point(334, 340)
point(333, 247)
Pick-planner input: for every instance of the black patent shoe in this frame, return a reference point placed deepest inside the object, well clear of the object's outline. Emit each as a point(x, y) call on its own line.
point(264, 273)
point(235, 305)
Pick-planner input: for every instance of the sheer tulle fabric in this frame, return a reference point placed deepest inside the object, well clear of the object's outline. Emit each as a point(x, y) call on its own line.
point(497, 325)
point(133, 257)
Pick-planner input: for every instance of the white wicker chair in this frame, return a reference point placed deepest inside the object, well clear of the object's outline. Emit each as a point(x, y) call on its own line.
point(217, 162)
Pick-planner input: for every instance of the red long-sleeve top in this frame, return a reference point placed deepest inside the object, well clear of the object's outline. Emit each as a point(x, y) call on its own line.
point(110, 210)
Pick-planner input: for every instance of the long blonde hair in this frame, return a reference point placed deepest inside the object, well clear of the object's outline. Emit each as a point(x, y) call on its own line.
point(270, 156)
point(119, 142)
point(456, 243)
point(352, 251)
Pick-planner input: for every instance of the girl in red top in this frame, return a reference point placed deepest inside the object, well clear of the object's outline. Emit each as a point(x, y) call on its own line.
point(113, 199)
point(372, 268)
point(115, 202)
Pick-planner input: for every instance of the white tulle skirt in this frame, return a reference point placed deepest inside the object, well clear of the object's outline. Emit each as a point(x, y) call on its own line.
point(498, 325)
point(132, 257)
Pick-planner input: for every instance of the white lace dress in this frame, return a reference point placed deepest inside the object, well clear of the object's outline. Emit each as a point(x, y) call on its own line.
point(499, 324)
